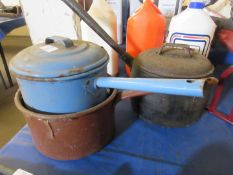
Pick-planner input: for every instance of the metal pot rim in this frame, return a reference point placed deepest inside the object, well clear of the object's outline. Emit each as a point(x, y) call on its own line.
point(59, 79)
point(65, 60)
point(18, 102)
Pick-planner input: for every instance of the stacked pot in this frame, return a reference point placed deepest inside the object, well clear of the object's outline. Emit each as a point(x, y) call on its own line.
point(67, 117)
point(68, 99)
point(70, 116)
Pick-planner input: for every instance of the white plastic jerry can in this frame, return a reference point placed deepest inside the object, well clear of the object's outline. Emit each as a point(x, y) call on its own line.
point(170, 8)
point(117, 8)
point(103, 14)
point(193, 27)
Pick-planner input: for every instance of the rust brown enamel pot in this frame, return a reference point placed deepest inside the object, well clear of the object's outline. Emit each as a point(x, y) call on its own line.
point(73, 136)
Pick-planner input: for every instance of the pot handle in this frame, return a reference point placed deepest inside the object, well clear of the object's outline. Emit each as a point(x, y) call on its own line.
point(122, 95)
point(185, 87)
point(76, 7)
point(66, 42)
point(189, 51)
point(129, 94)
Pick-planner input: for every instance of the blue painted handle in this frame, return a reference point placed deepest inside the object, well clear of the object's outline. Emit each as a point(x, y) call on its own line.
point(183, 87)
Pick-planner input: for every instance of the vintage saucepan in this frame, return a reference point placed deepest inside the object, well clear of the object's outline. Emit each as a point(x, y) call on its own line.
point(76, 135)
point(172, 61)
point(60, 76)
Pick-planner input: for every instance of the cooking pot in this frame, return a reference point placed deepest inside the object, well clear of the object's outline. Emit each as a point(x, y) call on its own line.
point(76, 135)
point(61, 76)
point(172, 61)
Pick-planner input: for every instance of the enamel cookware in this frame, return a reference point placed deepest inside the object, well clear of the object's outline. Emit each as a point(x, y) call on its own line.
point(62, 76)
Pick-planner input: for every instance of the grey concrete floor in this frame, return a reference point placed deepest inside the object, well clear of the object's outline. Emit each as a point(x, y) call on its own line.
point(11, 120)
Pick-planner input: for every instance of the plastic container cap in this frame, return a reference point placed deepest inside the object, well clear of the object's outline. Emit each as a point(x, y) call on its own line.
point(58, 57)
point(197, 5)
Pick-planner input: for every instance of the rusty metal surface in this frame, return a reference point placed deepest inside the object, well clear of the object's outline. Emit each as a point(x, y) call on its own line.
point(67, 58)
point(172, 110)
point(60, 77)
point(76, 135)
point(71, 136)
point(169, 110)
point(172, 61)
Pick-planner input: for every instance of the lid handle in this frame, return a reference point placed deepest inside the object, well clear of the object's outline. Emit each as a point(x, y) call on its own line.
point(66, 42)
point(189, 51)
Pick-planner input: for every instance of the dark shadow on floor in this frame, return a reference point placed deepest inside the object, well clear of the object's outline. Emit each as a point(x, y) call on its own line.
point(216, 159)
point(124, 170)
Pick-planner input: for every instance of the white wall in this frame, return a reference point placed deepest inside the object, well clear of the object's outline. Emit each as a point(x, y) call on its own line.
point(11, 2)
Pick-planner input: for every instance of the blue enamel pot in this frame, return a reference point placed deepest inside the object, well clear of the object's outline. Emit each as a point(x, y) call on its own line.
point(62, 76)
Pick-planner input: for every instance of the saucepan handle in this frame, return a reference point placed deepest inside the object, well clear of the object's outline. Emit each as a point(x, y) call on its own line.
point(123, 95)
point(76, 7)
point(184, 87)
point(129, 94)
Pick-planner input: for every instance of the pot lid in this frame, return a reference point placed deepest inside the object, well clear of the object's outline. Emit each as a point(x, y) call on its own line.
point(174, 61)
point(58, 57)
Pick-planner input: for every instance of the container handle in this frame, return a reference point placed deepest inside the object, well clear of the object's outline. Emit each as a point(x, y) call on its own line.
point(123, 95)
point(184, 87)
point(129, 94)
point(66, 42)
point(189, 51)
